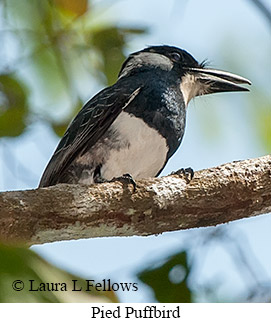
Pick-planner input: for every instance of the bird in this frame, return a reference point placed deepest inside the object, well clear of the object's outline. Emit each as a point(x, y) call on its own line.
point(133, 127)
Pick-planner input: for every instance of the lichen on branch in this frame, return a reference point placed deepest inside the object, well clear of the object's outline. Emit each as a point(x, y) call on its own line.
point(64, 212)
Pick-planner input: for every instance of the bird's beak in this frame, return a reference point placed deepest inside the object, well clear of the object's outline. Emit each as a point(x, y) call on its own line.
point(219, 81)
point(200, 81)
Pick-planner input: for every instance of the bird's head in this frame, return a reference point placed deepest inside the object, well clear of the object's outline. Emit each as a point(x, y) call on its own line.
point(193, 77)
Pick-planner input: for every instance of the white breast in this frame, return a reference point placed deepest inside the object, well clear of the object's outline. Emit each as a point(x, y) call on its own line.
point(142, 152)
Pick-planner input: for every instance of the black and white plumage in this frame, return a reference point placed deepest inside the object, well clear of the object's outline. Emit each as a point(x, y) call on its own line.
point(138, 123)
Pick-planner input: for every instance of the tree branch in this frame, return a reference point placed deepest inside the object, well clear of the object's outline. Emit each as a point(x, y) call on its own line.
point(63, 212)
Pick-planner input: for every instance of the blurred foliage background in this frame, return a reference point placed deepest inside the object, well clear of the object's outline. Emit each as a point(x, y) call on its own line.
point(54, 56)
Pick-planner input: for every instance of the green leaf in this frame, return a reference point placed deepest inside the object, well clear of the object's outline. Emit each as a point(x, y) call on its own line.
point(59, 128)
point(13, 106)
point(73, 7)
point(169, 280)
point(111, 43)
point(263, 125)
point(19, 266)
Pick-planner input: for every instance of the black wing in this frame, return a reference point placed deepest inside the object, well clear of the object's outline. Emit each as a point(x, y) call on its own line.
point(88, 126)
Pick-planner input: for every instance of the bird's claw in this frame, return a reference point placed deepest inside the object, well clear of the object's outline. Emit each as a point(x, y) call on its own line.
point(187, 173)
point(125, 179)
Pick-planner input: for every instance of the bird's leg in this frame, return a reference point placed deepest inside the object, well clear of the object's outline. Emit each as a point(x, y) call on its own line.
point(125, 179)
point(187, 173)
point(97, 177)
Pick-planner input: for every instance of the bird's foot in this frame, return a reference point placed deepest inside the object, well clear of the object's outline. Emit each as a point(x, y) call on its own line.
point(187, 173)
point(125, 179)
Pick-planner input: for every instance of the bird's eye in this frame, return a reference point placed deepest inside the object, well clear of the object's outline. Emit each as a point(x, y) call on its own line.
point(176, 56)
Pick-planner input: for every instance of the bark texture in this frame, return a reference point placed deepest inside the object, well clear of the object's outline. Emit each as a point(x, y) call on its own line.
point(64, 212)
